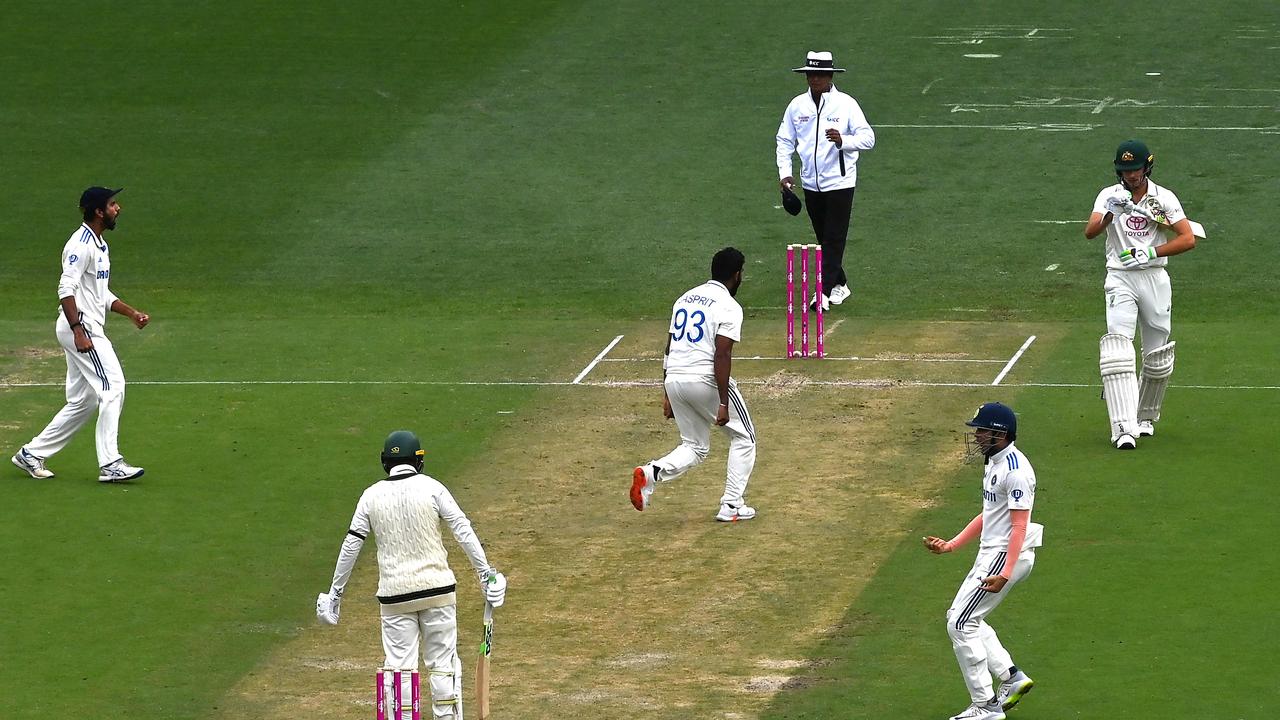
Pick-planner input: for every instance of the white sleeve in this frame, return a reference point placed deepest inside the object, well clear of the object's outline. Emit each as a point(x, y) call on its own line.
point(460, 526)
point(861, 136)
point(730, 325)
point(1020, 486)
point(786, 144)
point(1100, 202)
point(74, 261)
point(1173, 211)
point(351, 546)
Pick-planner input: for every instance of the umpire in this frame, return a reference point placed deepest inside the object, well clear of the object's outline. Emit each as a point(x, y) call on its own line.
point(826, 128)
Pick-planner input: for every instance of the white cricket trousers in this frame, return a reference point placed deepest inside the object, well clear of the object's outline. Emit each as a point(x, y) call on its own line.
point(1140, 298)
point(435, 631)
point(94, 381)
point(695, 402)
point(977, 648)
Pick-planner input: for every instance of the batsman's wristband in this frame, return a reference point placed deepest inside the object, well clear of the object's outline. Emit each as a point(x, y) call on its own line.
point(724, 404)
point(75, 325)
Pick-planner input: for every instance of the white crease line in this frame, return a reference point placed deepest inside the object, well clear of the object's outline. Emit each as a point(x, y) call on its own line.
point(826, 335)
point(880, 383)
point(1014, 360)
point(1271, 128)
point(884, 383)
point(595, 362)
point(1058, 222)
point(892, 358)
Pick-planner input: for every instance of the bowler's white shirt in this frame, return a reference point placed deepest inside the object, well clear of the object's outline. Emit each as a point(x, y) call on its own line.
point(1130, 230)
point(86, 270)
point(697, 317)
point(1009, 483)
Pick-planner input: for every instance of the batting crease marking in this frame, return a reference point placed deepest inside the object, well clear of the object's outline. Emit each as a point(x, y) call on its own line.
point(1014, 360)
point(595, 362)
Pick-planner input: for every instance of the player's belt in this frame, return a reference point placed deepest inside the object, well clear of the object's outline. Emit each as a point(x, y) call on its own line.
point(417, 595)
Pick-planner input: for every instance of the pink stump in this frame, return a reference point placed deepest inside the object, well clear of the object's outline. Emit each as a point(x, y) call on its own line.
point(416, 690)
point(818, 282)
point(791, 300)
point(380, 695)
point(804, 301)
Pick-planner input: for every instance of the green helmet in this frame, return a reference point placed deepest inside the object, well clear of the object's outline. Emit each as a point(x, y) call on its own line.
point(402, 445)
point(1134, 155)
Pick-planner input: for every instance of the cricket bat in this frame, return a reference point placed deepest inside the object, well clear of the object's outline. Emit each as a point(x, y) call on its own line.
point(482, 664)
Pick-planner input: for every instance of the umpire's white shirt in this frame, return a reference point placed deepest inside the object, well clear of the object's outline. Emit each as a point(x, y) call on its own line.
point(1009, 483)
point(86, 271)
point(803, 131)
point(697, 317)
point(1131, 230)
point(404, 513)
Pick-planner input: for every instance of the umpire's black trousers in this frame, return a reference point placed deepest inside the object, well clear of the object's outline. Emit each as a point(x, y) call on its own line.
point(829, 212)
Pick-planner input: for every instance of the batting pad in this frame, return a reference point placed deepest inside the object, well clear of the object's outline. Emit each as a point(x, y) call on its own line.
point(1117, 362)
point(1157, 366)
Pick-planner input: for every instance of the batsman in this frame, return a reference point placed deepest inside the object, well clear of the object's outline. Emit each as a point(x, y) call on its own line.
point(1145, 226)
point(416, 588)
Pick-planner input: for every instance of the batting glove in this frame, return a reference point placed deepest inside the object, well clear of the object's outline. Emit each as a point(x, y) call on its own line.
point(1137, 257)
point(328, 607)
point(495, 589)
point(1120, 204)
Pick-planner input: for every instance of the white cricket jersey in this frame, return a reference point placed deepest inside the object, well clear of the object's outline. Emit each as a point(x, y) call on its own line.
point(86, 269)
point(1129, 230)
point(697, 317)
point(404, 513)
point(1008, 484)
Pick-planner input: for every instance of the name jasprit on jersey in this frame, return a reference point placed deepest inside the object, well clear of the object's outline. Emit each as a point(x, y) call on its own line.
point(699, 300)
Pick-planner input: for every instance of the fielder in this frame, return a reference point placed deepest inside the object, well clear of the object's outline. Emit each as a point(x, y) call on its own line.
point(416, 588)
point(94, 376)
point(1136, 213)
point(698, 392)
point(1006, 554)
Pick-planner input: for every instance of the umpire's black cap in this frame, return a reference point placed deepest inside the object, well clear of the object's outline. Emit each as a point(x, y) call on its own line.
point(790, 202)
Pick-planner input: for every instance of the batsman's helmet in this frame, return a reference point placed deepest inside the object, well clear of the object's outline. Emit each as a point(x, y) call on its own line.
point(995, 416)
point(1133, 154)
point(400, 447)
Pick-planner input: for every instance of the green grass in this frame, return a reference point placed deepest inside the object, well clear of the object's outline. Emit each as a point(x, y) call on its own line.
point(446, 192)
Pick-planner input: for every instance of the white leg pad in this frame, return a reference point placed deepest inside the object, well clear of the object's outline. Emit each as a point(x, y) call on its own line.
point(1117, 363)
point(1157, 366)
point(446, 692)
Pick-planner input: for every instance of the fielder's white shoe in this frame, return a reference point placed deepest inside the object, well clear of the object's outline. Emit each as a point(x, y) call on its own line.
point(988, 711)
point(642, 480)
point(734, 513)
point(826, 302)
point(31, 465)
point(118, 471)
point(1126, 442)
point(1146, 428)
point(1012, 690)
point(839, 294)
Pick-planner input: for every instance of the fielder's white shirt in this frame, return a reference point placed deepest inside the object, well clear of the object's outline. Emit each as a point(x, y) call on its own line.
point(1009, 483)
point(404, 513)
point(697, 317)
point(803, 131)
point(86, 270)
point(1129, 230)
